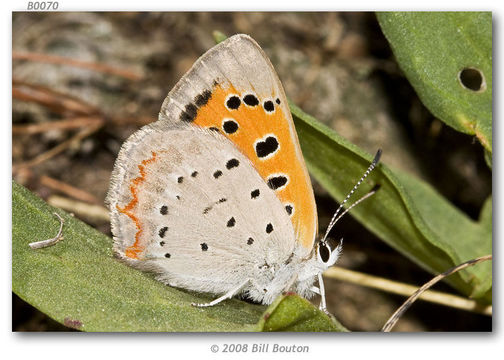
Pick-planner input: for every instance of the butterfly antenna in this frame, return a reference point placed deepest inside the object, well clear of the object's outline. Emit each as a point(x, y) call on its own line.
point(335, 217)
point(369, 194)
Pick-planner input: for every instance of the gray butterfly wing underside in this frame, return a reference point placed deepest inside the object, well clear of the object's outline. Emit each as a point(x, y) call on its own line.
point(208, 220)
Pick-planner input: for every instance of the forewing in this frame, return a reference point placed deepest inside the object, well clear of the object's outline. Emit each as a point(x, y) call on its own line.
point(234, 89)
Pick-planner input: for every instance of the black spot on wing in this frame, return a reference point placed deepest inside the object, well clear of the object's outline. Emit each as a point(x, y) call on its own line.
point(233, 102)
point(202, 99)
point(251, 100)
point(189, 113)
point(269, 107)
point(232, 164)
point(266, 147)
point(277, 182)
point(208, 208)
point(163, 210)
point(162, 231)
point(191, 110)
point(230, 126)
point(254, 194)
point(269, 228)
point(204, 247)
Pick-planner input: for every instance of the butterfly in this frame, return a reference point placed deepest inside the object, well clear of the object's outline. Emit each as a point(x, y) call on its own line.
point(215, 196)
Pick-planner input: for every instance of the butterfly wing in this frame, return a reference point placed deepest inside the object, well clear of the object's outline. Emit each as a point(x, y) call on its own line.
point(234, 89)
point(187, 204)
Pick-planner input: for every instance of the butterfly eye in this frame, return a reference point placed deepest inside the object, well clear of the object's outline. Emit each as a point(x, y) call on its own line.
point(324, 252)
point(329, 251)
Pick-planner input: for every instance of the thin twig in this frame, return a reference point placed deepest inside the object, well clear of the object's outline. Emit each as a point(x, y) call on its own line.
point(64, 103)
point(68, 189)
point(403, 289)
point(52, 59)
point(49, 242)
point(405, 306)
point(65, 124)
point(82, 209)
point(58, 148)
point(56, 101)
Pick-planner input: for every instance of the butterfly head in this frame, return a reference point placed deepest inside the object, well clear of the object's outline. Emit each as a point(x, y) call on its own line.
point(328, 251)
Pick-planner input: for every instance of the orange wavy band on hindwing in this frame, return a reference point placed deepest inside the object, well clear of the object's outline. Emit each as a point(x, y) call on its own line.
point(133, 250)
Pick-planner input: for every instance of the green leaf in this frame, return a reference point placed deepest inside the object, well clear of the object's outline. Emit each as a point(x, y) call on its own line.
point(78, 283)
point(432, 48)
point(218, 36)
point(406, 213)
point(488, 159)
point(292, 313)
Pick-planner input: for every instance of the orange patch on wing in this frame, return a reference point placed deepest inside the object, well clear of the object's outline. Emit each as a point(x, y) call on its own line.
point(254, 124)
point(136, 248)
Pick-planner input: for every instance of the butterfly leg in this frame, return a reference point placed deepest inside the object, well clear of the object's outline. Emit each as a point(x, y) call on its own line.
point(323, 305)
point(226, 296)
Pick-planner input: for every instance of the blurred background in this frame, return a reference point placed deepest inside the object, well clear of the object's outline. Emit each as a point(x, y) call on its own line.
point(84, 82)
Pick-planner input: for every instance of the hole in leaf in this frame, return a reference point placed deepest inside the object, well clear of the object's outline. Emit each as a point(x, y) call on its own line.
point(472, 79)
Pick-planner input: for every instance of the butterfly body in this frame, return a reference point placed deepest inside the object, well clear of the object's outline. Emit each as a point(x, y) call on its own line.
point(215, 197)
